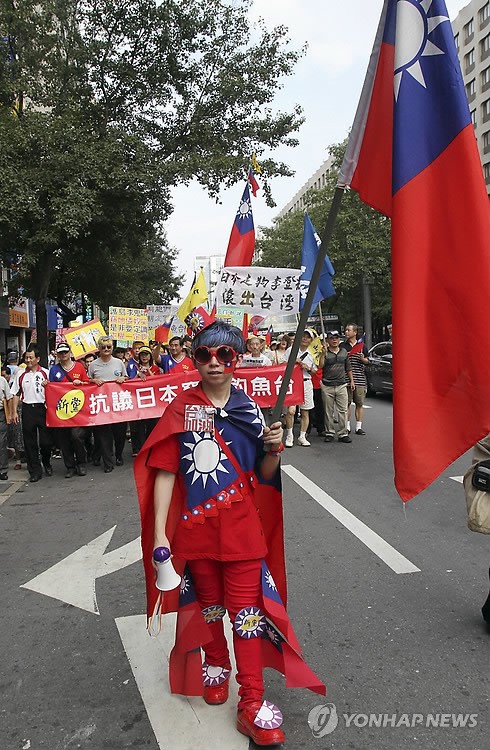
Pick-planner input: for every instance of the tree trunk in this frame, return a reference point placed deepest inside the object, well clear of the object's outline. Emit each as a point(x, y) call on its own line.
point(43, 271)
point(42, 330)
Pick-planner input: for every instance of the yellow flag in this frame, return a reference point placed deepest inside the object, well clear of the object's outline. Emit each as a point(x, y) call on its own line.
point(315, 349)
point(255, 164)
point(196, 297)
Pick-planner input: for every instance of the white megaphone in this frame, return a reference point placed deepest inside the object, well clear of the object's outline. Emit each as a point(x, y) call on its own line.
point(167, 578)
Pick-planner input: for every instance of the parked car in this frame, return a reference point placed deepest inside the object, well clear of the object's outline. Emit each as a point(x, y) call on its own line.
point(379, 371)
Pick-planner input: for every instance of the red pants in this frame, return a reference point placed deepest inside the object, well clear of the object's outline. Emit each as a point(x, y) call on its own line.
point(234, 585)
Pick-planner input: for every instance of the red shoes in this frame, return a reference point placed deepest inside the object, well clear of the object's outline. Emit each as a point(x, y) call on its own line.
point(261, 722)
point(215, 695)
point(216, 681)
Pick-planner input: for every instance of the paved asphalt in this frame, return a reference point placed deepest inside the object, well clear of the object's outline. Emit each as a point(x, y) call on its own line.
point(385, 643)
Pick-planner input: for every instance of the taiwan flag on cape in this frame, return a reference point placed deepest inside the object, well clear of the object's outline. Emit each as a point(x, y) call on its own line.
point(412, 155)
point(242, 239)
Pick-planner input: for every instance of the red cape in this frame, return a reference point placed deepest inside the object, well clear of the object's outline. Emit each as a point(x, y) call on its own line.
point(192, 631)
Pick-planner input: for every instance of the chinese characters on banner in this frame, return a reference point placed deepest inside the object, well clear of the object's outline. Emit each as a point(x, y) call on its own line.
point(83, 339)
point(128, 324)
point(69, 406)
point(159, 314)
point(264, 291)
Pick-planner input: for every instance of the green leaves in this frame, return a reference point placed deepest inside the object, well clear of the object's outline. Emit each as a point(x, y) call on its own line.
point(359, 249)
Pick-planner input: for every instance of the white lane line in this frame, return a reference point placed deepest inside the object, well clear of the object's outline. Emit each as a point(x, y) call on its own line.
point(367, 536)
point(179, 723)
point(457, 479)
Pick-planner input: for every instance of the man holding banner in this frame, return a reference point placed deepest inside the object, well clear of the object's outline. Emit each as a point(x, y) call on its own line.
point(102, 370)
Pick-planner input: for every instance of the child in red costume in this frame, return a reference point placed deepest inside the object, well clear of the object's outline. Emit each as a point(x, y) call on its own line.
point(210, 492)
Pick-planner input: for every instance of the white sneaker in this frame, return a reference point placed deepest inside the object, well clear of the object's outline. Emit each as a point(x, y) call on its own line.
point(289, 442)
point(304, 442)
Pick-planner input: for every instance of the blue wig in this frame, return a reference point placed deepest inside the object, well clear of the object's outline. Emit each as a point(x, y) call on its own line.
point(220, 333)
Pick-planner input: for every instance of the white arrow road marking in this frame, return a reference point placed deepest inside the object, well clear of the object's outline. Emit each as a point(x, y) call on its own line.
point(179, 723)
point(72, 580)
point(457, 479)
point(367, 536)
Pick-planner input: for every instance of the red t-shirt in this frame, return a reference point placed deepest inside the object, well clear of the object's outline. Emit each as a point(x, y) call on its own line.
point(58, 374)
point(154, 370)
point(234, 534)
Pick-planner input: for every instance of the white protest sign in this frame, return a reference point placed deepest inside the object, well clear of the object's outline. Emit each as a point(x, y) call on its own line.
point(160, 314)
point(263, 291)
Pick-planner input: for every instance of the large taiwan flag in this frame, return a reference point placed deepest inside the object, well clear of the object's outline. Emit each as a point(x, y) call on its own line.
point(412, 155)
point(242, 239)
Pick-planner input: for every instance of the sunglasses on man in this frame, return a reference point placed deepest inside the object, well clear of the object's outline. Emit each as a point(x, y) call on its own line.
point(225, 355)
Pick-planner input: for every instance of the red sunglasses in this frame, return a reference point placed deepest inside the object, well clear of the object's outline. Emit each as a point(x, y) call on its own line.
point(224, 354)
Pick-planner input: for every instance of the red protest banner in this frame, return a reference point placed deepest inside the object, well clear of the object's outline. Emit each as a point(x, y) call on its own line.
point(86, 406)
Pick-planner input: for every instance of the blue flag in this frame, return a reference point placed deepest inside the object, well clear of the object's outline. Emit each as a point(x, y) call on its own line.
point(311, 244)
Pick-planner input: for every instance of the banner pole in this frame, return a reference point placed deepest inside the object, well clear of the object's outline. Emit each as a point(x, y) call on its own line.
point(315, 278)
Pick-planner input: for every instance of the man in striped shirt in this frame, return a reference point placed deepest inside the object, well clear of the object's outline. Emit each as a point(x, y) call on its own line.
point(358, 358)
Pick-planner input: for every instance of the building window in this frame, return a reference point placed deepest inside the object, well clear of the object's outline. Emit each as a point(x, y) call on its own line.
point(468, 31)
point(471, 89)
point(484, 15)
point(485, 110)
point(473, 117)
point(485, 79)
point(486, 172)
point(486, 142)
point(485, 47)
point(469, 61)
point(456, 42)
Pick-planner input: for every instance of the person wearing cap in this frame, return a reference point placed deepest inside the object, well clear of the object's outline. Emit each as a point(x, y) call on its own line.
point(308, 365)
point(132, 364)
point(336, 368)
point(141, 428)
point(254, 356)
point(13, 362)
point(71, 440)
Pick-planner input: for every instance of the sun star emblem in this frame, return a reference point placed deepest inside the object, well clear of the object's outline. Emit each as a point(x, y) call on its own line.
point(214, 675)
point(270, 581)
point(413, 27)
point(269, 716)
point(250, 622)
point(205, 457)
point(185, 584)
point(244, 210)
point(258, 418)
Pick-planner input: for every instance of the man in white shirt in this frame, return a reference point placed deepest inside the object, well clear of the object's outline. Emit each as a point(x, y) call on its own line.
point(254, 356)
point(28, 387)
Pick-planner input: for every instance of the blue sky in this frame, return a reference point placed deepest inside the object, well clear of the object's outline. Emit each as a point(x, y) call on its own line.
point(326, 83)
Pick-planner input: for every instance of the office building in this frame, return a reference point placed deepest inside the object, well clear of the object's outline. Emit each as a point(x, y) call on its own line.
point(471, 29)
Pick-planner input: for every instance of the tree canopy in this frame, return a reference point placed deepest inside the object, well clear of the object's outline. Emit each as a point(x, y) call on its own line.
point(103, 107)
point(359, 249)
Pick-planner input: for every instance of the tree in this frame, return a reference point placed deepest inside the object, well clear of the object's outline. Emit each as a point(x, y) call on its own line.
point(359, 249)
point(103, 107)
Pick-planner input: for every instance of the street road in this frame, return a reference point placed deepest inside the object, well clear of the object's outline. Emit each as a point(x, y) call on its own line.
point(385, 600)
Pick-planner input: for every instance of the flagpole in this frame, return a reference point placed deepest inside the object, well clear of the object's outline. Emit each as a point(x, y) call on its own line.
point(322, 327)
point(315, 278)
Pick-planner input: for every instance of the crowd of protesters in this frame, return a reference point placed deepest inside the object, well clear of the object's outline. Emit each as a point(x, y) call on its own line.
point(24, 435)
point(329, 387)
